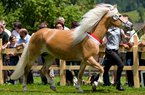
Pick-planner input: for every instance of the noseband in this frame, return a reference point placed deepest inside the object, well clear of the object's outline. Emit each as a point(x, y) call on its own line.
point(127, 24)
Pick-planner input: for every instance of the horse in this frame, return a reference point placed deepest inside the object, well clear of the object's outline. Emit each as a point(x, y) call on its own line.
point(81, 44)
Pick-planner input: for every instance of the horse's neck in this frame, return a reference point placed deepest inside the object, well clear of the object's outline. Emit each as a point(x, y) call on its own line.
point(101, 29)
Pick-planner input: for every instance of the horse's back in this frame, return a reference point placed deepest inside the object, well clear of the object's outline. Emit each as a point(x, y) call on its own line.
point(52, 40)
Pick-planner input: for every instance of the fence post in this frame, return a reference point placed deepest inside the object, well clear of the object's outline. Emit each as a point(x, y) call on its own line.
point(1, 64)
point(135, 63)
point(62, 72)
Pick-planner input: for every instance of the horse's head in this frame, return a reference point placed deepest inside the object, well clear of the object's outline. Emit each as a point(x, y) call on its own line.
point(118, 20)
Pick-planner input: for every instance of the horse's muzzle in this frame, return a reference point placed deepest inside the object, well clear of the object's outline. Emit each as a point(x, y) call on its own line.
point(128, 26)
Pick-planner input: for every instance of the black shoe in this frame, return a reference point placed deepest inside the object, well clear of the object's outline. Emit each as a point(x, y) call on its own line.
point(120, 88)
point(11, 81)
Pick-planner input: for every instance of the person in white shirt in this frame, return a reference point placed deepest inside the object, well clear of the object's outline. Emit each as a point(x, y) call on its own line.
point(17, 27)
point(6, 30)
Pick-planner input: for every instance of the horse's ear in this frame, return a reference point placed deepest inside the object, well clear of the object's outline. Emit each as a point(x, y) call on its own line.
point(115, 6)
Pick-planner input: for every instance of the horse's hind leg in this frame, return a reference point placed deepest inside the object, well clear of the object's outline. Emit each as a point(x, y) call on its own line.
point(30, 61)
point(45, 69)
point(81, 72)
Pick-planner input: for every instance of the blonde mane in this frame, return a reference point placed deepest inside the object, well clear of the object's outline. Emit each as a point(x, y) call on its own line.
point(91, 19)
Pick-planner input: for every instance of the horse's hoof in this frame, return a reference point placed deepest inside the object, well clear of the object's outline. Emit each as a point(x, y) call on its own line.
point(80, 91)
point(77, 86)
point(24, 90)
point(53, 88)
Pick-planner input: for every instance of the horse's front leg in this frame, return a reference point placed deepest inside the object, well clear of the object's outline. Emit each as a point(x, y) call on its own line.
point(81, 72)
point(45, 70)
point(92, 62)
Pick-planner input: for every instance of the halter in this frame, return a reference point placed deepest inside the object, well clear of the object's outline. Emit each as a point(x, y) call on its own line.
point(94, 38)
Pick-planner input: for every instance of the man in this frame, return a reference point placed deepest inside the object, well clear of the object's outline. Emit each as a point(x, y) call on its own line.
point(62, 20)
point(5, 38)
point(6, 30)
point(24, 39)
point(113, 37)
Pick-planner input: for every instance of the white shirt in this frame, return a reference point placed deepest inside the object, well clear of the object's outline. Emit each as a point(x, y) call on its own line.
point(16, 34)
point(8, 32)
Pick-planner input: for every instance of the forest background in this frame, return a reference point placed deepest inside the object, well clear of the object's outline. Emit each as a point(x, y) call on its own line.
point(32, 12)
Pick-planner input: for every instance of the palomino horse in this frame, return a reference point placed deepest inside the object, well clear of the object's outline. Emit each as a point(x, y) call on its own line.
point(79, 44)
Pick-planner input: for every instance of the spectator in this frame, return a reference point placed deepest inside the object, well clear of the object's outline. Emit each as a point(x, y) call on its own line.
point(142, 43)
point(6, 30)
point(5, 38)
point(74, 24)
point(43, 25)
point(74, 74)
point(69, 75)
point(62, 20)
point(17, 26)
point(24, 39)
point(129, 55)
point(113, 37)
point(59, 26)
point(41, 59)
point(12, 57)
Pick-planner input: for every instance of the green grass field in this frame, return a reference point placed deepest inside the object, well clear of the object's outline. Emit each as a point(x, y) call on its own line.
point(39, 89)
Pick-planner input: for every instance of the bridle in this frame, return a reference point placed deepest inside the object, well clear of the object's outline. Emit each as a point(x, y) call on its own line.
point(127, 24)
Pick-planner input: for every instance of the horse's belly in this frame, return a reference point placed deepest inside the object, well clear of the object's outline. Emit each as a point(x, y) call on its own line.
point(68, 55)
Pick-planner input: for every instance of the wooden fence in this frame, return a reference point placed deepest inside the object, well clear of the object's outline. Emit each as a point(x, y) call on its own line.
point(135, 49)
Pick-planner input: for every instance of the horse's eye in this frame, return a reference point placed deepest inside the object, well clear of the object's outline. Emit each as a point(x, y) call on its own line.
point(120, 15)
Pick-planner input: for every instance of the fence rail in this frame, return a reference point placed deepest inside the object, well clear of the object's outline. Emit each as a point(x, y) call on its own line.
point(135, 49)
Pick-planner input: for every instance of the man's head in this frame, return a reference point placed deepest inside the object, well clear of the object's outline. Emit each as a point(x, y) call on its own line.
point(23, 32)
point(43, 25)
point(60, 19)
point(1, 27)
point(17, 26)
point(3, 23)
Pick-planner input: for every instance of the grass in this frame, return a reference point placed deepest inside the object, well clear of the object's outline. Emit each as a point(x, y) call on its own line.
point(39, 89)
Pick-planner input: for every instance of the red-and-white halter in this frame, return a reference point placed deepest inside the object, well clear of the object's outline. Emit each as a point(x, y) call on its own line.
point(94, 38)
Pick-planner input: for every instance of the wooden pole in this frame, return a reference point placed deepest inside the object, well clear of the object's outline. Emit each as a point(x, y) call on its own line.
point(1, 64)
point(62, 72)
point(136, 63)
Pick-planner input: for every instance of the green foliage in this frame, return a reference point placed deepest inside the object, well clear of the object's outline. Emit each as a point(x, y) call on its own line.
point(32, 12)
point(36, 11)
point(140, 11)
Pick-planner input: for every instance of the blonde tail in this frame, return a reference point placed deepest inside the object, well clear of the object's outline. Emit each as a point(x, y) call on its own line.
point(19, 71)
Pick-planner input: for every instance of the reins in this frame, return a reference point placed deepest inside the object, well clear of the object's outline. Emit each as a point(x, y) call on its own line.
point(136, 32)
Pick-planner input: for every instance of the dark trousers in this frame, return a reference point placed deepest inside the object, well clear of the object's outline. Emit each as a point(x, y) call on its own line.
point(113, 58)
point(30, 79)
point(129, 73)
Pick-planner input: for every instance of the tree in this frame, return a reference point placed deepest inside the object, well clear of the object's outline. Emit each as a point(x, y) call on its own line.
point(140, 11)
point(12, 5)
